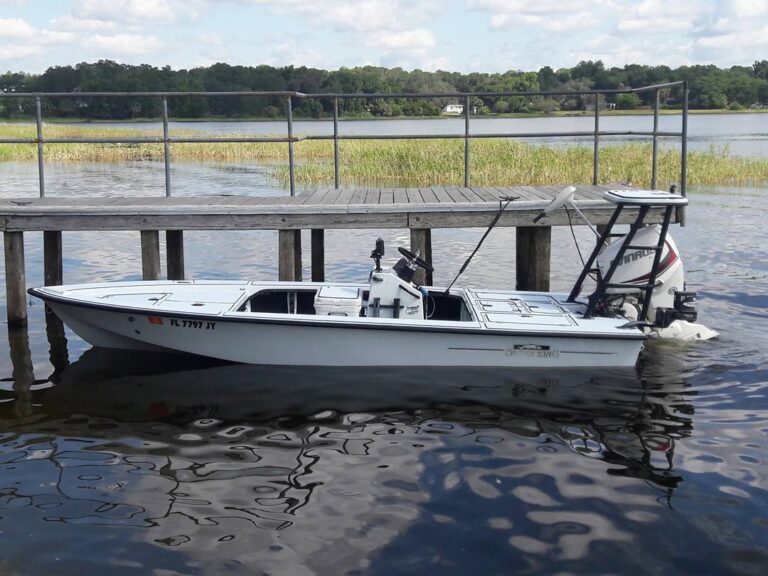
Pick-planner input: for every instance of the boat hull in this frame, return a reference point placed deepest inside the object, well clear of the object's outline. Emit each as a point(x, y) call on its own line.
point(275, 342)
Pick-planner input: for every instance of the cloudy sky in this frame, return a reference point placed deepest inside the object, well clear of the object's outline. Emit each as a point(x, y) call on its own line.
point(461, 35)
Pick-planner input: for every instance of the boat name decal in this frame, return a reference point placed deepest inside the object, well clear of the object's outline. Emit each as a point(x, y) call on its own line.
point(532, 351)
point(195, 324)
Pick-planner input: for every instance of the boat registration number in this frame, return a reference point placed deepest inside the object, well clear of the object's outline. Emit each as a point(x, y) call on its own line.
point(194, 324)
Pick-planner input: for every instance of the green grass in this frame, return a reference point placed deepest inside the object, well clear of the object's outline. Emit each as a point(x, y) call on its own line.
point(404, 163)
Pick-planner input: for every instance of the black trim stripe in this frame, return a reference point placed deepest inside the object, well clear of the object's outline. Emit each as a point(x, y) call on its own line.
point(315, 323)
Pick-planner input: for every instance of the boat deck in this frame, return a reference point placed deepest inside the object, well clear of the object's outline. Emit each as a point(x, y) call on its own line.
point(323, 208)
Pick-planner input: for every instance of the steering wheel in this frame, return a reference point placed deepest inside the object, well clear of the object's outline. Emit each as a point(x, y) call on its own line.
point(413, 258)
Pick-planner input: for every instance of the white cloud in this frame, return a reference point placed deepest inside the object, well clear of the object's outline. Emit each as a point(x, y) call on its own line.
point(546, 15)
point(139, 11)
point(73, 24)
point(394, 28)
point(749, 8)
point(19, 29)
point(117, 45)
point(10, 52)
point(358, 15)
point(417, 39)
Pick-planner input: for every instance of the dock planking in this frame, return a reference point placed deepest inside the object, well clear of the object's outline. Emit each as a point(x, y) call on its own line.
point(430, 207)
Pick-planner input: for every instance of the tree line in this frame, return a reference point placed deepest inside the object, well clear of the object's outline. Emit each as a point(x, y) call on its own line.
point(737, 87)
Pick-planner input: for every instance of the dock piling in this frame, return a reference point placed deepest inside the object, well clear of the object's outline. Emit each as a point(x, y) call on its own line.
point(174, 254)
point(53, 269)
point(421, 240)
point(318, 255)
point(289, 255)
point(150, 254)
point(15, 279)
point(533, 254)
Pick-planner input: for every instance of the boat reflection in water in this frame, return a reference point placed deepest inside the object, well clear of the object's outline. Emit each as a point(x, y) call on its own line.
point(321, 467)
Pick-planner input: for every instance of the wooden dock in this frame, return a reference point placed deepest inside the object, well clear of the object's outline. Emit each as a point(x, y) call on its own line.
point(417, 209)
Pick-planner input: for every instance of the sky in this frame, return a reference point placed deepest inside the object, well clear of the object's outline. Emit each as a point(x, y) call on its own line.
point(456, 35)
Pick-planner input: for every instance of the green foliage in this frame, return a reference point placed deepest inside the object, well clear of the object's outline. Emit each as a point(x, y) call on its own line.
point(627, 101)
point(711, 87)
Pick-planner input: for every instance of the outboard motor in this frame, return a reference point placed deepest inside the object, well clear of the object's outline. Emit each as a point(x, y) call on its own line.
point(670, 309)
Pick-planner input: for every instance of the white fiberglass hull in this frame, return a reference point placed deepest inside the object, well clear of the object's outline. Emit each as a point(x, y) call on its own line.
point(303, 340)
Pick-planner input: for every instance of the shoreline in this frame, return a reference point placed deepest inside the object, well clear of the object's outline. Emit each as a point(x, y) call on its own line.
point(559, 114)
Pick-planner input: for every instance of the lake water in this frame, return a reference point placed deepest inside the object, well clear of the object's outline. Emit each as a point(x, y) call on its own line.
point(137, 464)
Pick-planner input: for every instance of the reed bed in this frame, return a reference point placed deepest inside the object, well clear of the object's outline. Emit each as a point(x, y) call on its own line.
point(407, 163)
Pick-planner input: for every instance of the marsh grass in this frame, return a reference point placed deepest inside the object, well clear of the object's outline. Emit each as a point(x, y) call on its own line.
point(404, 163)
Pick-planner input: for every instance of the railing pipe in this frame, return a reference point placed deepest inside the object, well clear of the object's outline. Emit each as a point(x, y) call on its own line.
point(466, 141)
point(40, 162)
point(596, 152)
point(166, 149)
point(684, 154)
point(289, 117)
point(336, 179)
point(655, 153)
point(246, 139)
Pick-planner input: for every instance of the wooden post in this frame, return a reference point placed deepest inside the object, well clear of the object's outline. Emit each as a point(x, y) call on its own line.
point(174, 254)
point(421, 240)
point(52, 264)
point(289, 255)
point(15, 279)
point(533, 253)
point(318, 255)
point(150, 254)
point(23, 369)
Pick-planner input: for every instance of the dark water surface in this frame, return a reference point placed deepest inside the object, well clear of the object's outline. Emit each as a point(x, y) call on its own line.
point(132, 463)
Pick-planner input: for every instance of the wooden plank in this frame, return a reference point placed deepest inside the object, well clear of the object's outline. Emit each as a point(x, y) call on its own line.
point(286, 221)
point(358, 196)
point(533, 247)
point(589, 192)
point(414, 196)
point(469, 194)
point(372, 196)
point(442, 195)
point(387, 197)
point(487, 194)
point(456, 195)
point(428, 195)
point(400, 195)
point(345, 197)
point(15, 279)
point(53, 269)
point(266, 201)
point(538, 192)
point(510, 218)
point(316, 197)
point(330, 198)
point(150, 254)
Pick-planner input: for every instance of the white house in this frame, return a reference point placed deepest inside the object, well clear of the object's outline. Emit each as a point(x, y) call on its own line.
point(453, 109)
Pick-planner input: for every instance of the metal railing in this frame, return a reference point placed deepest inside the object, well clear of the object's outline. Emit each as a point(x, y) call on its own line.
point(290, 139)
